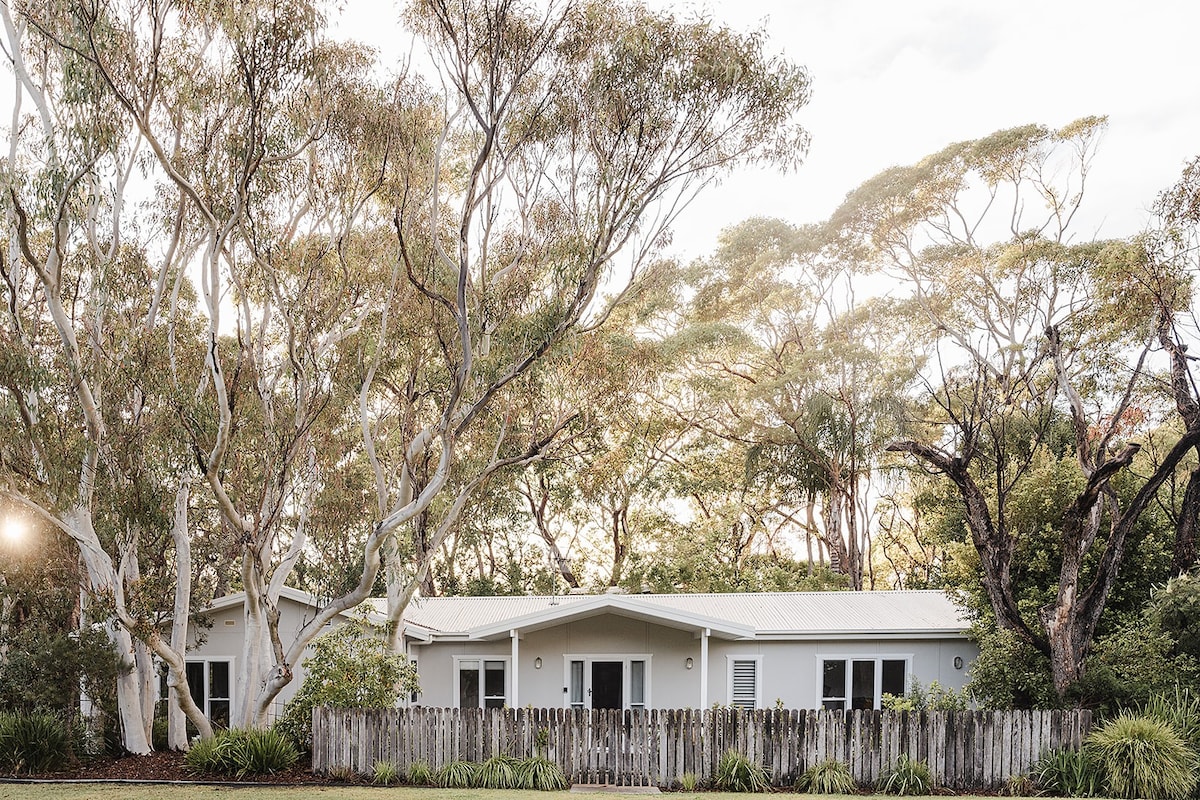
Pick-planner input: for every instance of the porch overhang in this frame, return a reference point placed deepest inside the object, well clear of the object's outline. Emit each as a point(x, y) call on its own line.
point(618, 605)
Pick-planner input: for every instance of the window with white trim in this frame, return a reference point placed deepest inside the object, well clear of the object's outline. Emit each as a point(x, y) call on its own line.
point(635, 683)
point(860, 683)
point(745, 681)
point(211, 685)
point(481, 682)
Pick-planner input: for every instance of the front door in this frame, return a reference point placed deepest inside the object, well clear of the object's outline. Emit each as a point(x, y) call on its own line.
point(606, 684)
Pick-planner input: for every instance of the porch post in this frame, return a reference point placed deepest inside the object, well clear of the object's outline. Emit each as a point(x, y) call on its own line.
point(516, 651)
point(704, 668)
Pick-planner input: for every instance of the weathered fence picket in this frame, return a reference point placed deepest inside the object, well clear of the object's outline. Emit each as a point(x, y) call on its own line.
point(975, 750)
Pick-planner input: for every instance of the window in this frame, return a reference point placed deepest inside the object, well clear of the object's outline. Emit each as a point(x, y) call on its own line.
point(744, 682)
point(860, 683)
point(482, 683)
point(637, 684)
point(211, 686)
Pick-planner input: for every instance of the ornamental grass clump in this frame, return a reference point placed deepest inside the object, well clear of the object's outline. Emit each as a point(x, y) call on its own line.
point(34, 742)
point(1067, 773)
point(541, 774)
point(241, 753)
point(420, 773)
point(907, 777)
point(738, 773)
point(827, 777)
point(456, 775)
point(498, 772)
point(385, 773)
point(1143, 757)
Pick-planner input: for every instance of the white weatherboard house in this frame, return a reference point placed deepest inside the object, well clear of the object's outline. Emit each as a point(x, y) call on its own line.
point(836, 650)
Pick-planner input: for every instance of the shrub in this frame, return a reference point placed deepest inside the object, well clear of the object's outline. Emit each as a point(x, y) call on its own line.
point(241, 753)
point(738, 773)
point(456, 775)
point(688, 781)
point(498, 772)
point(1071, 773)
point(827, 777)
point(1179, 709)
point(1019, 786)
point(1143, 757)
point(907, 777)
point(420, 773)
point(34, 742)
point(542, 774)
point(385, 773)
point(351, 667)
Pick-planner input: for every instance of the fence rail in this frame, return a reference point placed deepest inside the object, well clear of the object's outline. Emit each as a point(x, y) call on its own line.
point(964, 749)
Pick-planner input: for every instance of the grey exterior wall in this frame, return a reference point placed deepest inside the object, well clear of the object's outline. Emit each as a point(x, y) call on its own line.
point(790, 670)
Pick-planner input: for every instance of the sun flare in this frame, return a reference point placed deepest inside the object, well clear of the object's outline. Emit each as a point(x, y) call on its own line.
point(14, 530)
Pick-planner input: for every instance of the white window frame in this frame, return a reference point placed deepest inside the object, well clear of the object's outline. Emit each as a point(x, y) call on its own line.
point(482, 658)
point(848, 659)
point(626, 674)
point(758, 676)
point(207, 664)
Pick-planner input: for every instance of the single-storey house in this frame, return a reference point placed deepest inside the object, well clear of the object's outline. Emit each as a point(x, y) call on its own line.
point(836, 650)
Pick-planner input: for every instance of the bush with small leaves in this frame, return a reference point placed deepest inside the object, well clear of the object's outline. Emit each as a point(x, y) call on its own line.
point(385, 774)
point(907, 777)
point(456, 775)
point(738, 773)
point(1069, 773)
point(1143, 757)
point(541, 774)
point(34, 742)
point(827, 777)
point(420, 773)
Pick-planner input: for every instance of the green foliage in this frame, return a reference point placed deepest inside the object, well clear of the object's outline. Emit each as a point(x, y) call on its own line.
point(1009, 673)
point(907, 777)
point(934, 698)
point(385, 773)
point(1143, 757)
point(498, 772)
point(541, 774)
point(349, 668)
point(827, 777)
point(456, 775)
point(420, 773)
point(241, 753)
point(44, 669)
point(1070, 773)
point(688, 781)
point(34, 742)
point(1179, 709)
point(738, 773)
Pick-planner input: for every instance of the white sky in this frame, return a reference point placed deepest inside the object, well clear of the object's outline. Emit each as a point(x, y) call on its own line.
point(895, 81)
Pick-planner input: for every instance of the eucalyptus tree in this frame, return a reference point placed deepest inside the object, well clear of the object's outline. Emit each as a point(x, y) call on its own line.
point(1027, 330)
point(98, 326)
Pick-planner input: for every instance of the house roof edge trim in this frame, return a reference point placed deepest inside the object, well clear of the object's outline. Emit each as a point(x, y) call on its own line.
point(621, 605)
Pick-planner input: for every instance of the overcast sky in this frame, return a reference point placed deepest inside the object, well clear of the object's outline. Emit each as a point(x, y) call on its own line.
point(895, 81)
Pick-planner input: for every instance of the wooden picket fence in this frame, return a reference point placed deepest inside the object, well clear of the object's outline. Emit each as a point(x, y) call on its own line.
point(975, 750)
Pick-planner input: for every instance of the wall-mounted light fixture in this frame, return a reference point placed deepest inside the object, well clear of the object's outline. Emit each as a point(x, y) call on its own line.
point(537, 663)
point(688, 663)
point(958, 662)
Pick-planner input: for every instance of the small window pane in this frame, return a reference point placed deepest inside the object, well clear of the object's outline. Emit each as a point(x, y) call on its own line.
point(834, 683)
point(577, 684)
point(218, 680)
point(468, 684)
point(637, 683)
point(893, 678)
point(834, 705)
point(196, 686)
point(493, 679)
point(863, 685)
point(218, 713)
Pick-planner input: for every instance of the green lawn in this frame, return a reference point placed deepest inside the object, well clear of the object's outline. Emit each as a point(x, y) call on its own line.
point(96, 791)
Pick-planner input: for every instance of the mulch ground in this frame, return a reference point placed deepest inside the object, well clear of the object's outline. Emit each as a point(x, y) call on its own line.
point(169, 766)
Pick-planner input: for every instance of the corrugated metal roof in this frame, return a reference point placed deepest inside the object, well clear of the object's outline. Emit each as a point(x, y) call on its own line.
point(782, 613)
